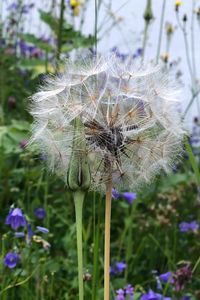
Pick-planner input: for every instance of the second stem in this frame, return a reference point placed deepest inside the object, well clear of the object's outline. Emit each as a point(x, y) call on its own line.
point(107, 240)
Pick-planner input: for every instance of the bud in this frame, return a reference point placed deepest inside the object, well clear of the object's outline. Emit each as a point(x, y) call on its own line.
point(11, 102)
point(148, 14)
point(184, 18)
point(177, 5)
point(169, 28)
point(87, 276)
point(78, 177)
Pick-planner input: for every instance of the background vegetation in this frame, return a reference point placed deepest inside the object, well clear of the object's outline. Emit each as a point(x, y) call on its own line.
point(148, 235)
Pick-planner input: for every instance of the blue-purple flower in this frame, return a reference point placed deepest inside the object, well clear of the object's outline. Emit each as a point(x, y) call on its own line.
point(19, 234)
point(120, 295)
point(123, 293)
point(151, 295)
point(188, 226)
point(128, 196)
point(115, 194)
point(165, 277)
point(15, 218)
point(40, 213)
point(129, 289)
point(42, 229)
point(117, 268)
point(138, 53)
point(186, 297)
point(11, 259)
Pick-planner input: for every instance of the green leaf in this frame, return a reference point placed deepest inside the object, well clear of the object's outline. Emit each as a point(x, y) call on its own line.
point(31, 38)
point(51, 21)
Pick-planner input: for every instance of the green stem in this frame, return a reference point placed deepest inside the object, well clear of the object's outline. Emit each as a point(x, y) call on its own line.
point(95, 25)
point(144, 39)
point(107, 240)
point(95, 279)
point(60, 28)
point(161, 30)
point(78, 201)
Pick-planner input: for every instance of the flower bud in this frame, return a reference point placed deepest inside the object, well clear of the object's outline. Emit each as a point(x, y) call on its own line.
point(78, 177)
point(148, 14)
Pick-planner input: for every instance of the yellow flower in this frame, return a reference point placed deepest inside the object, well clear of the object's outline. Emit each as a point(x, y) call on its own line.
point(75, 5)
point(178, 3)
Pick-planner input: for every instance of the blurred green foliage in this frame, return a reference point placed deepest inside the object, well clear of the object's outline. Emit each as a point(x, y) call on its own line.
point(145, 234)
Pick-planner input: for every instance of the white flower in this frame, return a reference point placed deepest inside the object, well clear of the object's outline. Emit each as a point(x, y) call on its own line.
point(132, 123)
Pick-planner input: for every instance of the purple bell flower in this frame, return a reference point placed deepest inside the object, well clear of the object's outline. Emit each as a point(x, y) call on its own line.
point(42, 229)
point(129, 197)
point(165, 277)
point(184, 227)
point(129, 289)
point(194, 226)
point(11, 259)
point(120, 267)
point(151, 295)
point(40, 213)
point(15, 218)
point(115, 194)
point(188, 226)
point(120, 295)
point(19, 234)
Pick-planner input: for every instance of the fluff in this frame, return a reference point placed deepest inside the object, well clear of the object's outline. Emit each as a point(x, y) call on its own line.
point(130, 116)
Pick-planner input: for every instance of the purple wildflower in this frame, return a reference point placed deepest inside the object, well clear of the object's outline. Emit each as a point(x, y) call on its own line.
point(138, 53)
point(188, 226)
point(15, 218)
point(115, 194)
point(184, 227)
point(11, 259)
point(24, 48)
point(151, 295)
point(186, 297)
point(40, 213)
point(30, 232)
point(182, 276)
point(12, 6)
point(165, 277)
point(194, 226)
point(129, 289)
point(120, 295)
point(129, 197)
point(118, 268)
point(42, 229)
point(19, 234)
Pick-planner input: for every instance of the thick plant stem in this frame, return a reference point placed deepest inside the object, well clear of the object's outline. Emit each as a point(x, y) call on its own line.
point(107, 240)
point(78, 201)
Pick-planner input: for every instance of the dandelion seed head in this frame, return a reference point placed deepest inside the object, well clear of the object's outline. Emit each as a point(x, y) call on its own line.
point(130, 115)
